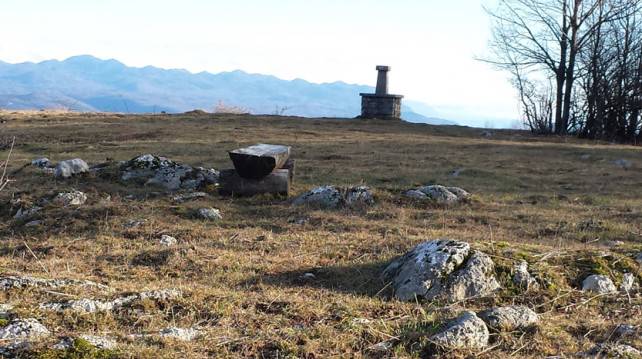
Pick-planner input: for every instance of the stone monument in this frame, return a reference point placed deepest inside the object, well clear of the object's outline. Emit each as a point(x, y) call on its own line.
point(381, 104)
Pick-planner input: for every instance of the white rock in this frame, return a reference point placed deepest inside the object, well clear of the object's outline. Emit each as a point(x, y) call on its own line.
point(210, 214)
point(467, 332)
point(93, 305)
point(73, 198)
point(15, 282)
point(161, 171)
point(97, 341)
point(322, 197)
point(182, 334)
point(413, 193)
point(522, 278)
point(612, 350)
point(23, 329)
point(442, 269)
point(440, 194)
point(628, 282)
point(167, 240)
point(69, 168)
point(600, 284)
point(515, 317)
point(189, 196)
point(359, 196)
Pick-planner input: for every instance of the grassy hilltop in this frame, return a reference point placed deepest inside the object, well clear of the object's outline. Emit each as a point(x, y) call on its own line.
point(561, 204)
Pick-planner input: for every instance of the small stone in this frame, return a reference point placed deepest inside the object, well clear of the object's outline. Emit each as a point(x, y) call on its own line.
point(210, 214)
point(487, 134)
point(382, 347)
point(585, 157)
point(322, 197)
point(625, 164)
point(23, 329)
point(612, 350)
point(167, 240)
point(467, 332)
point(509, 318)
point(135, 223)
point(625, 330)
point(24, 214)
point(100, 342)
point(69, 168)
point(5, 310)
point(309, 276)
point(34, 223)
point(73, 198)
point(628, 282)
point(359, 196)
point(638, 258)
point(522, 278)
point(600, 284)
point(42, 162)
point(189, 197)
point(413, 193)
point(182, 334)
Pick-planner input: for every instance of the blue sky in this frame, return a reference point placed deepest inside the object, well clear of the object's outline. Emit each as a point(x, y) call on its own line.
point(431, 45)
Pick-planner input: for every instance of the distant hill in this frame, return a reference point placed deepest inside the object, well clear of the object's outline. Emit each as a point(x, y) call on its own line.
point(86, 83)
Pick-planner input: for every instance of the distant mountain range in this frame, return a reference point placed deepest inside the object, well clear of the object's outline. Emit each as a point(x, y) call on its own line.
point(86, 83)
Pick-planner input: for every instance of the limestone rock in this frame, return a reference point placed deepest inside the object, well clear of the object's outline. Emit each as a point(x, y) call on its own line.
point(156, 170)
point(73, 198)
point(189, 196)
point(625, 330)
point(628, 282)
point(69, 168)
point(322, 197)
point(467, 332)
point(359, 196)
point(24, 214)
point(15, 282)
point(5, 310)
point(415, 194)
point(23, 329)
point(210, 214)
point(182, 334)
point(439, 194)
point(600, 284)
point(97, 341)
point(42, 162)
point(515, 317)
point(522, 278)
point(612, 350)
point(442, 269)
point(167, 240)
point(92, 305)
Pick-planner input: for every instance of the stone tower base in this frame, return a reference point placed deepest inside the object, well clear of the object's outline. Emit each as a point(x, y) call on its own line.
point(381, 106)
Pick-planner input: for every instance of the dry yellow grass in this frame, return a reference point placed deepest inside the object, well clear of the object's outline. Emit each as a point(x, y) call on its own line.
point(535, 198)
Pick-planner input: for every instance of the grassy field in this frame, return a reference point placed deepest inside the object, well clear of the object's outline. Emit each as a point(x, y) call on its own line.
point(561, 204)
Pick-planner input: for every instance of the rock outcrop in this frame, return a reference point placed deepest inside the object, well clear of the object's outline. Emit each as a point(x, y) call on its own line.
point(93, 305)
point(330, 197)
point(73, 198)
point(522, 277)
point(439, 194)
point(209, 214)
point(442, 269)
point(514, 317)
point(156, 170)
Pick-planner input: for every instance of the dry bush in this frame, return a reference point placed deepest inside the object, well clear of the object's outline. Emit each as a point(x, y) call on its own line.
point(223, 108)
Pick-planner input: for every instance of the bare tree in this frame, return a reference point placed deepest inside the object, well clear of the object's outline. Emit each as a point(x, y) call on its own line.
point(4, 177)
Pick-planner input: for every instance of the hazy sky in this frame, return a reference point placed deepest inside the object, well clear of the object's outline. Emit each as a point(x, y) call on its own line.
point(431, 45)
